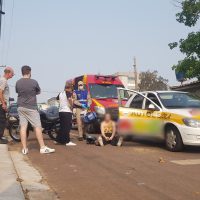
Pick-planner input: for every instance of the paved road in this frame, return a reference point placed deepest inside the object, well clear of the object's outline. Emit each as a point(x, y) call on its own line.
point(134, 171)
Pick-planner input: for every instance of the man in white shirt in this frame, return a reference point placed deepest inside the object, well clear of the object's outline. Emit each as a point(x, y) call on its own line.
point(65, 114)
point(4, 98)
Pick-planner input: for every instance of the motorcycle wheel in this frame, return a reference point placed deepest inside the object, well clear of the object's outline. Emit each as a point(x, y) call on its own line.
point(53, 134)
point(14, 131)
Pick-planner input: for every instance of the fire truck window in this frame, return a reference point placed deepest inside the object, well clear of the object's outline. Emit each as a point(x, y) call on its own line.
point(103, 91)
point(137, 102)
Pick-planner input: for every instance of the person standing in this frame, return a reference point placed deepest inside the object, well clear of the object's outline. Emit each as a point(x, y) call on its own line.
point(65, 114)
point(82, 101)
point(27, 90)
point(4, 98)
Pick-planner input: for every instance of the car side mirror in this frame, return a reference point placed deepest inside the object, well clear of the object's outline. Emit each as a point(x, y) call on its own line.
point(152, 107)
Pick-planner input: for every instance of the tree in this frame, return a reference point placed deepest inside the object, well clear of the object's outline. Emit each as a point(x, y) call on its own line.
point(152, 81)
point(190, 46)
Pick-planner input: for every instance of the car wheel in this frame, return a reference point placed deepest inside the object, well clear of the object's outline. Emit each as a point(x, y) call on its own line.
point(173, 140)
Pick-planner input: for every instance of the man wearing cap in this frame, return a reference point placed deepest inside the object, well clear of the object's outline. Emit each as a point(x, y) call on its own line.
point(82, 101)
point(4, 98)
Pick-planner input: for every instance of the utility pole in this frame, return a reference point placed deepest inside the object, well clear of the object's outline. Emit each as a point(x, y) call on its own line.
point(1, 13)
point(135, 74)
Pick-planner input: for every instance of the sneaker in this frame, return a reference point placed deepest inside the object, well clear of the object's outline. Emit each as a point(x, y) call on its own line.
point(70, 144)
point(119, 144)
point(3, 141)
point(25, 151)
point(46, 149)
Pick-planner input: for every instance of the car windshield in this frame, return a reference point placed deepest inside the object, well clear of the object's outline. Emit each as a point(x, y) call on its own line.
point(104, 91)
point(173, 100)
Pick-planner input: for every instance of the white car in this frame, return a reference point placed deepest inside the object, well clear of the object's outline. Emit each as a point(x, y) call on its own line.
point(171, 115)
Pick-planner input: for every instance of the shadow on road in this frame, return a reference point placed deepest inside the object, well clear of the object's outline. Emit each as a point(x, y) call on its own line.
point(157, 144)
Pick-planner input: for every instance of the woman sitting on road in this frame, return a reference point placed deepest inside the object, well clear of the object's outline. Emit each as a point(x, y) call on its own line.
point(108, 133)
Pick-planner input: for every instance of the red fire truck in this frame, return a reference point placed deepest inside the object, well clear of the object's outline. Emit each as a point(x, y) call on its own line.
point(103, 92)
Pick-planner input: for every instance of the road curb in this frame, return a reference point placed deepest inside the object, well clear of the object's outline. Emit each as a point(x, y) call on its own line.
point(31, 180)
point(10, 186)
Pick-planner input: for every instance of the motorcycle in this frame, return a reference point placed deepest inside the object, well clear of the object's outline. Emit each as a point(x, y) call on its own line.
point(49, 119)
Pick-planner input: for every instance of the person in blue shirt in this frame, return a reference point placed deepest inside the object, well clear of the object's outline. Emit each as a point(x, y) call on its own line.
point(82, 102)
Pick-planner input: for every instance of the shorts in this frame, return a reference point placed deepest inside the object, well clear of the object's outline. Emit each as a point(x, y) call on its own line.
point(29, 116)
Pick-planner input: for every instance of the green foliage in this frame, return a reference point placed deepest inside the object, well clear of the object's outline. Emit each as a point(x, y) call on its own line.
point(152, 81)
point(190, 12)
point(190, 46)
point(173, 45)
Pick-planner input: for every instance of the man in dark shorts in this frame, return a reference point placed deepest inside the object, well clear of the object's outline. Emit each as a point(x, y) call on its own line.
point(27, 90)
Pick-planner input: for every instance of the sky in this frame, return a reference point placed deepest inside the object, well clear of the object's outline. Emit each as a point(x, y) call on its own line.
point(66, 38)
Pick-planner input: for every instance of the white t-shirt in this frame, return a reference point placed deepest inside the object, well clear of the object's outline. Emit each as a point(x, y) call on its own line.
point(64, 103)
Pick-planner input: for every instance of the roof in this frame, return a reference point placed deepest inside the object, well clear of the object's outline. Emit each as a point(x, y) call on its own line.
point(103, 78)
point(186, 86)
point(165, 91)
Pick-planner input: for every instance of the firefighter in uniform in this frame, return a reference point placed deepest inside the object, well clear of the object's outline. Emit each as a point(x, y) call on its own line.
point(82, 102)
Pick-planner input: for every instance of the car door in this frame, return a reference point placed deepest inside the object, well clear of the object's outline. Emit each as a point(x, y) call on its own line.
point(140, 115)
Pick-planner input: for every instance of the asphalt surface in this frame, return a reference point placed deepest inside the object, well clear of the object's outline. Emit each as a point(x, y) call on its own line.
point(137, 170)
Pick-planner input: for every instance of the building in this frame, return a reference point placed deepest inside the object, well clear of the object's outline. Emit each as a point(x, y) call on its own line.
point(128, 79)
point(193, 87)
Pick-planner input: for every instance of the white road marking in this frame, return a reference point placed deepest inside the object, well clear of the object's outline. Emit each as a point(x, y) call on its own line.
point(187, 162)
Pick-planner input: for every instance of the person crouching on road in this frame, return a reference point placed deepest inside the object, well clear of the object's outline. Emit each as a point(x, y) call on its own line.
point(27, 90)
point(65, 114)
point(82, 101)
point(108, 133)
point(4, 98)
